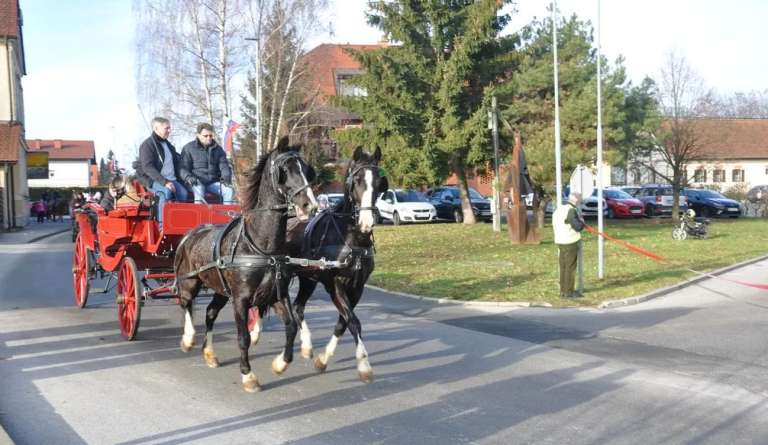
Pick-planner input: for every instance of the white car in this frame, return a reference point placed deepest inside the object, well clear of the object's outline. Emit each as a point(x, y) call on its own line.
point(402, 206)
point(329, 200)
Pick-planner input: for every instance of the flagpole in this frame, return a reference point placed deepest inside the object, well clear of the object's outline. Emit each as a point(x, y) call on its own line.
point(558, 175)
point(600, 239)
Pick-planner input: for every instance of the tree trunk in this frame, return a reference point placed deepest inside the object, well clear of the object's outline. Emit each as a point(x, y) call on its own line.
point(194, 12)
point(223, 56)
point(676, 195)
point(466, 205)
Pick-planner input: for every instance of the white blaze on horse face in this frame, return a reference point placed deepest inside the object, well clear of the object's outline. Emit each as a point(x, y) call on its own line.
point(365, 220)
point(310, 195)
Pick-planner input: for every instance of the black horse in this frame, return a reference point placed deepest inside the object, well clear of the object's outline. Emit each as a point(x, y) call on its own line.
point(245, 260)
point(343, 235)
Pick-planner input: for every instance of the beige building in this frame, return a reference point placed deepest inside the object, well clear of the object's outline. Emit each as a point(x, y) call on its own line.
point(14, 199)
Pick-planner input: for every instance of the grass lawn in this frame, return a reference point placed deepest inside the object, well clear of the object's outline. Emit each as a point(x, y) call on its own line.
point(475, 263)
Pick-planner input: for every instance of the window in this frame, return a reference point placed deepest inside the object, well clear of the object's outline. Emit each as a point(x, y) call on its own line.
point(700, 175)
point(344, 86)
point(718, 175)
point(737, 175)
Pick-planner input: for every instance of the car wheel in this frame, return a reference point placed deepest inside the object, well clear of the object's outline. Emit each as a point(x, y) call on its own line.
point(395, 219)
point(705, 212)
point(649, 211)
point(611, 214)
point(458, 216)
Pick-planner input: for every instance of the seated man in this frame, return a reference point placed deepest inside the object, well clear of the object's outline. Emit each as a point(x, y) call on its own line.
point(160, 161)
point(205, 168)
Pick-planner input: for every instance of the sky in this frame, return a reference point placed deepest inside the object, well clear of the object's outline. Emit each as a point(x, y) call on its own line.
point(80, 55)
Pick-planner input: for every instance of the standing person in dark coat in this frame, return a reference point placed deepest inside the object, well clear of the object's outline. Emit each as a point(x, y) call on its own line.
point(160, 161)
point(205, 168)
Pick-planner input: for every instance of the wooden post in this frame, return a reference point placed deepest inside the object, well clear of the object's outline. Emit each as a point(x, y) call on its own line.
point(521, 231)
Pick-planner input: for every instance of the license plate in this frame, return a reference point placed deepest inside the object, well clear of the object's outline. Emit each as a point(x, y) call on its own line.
point(636, 211)
point(733, 209)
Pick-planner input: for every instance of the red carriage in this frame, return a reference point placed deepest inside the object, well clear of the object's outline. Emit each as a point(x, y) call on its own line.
point(128, 244)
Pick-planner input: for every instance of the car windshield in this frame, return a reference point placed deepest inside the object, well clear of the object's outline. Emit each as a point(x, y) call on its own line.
point(335, 199)
point(711, 194)
point(616, 194)
point(410, 196)
point(473, 194)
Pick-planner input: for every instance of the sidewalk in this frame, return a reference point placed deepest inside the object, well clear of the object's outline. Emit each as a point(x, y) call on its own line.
point(35, 231)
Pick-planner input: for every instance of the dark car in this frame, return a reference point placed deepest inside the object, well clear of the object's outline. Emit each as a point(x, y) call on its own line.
point(657, 199)
point(708, 203)
point(447, 202)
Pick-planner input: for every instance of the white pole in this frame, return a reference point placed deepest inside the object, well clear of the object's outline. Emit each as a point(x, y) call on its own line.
point(558, 176)
point(600, 240)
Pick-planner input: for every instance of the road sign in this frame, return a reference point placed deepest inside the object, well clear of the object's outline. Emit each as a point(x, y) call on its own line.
point(582, 181)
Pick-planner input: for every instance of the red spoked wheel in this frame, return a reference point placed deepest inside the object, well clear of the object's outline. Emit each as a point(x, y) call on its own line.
point(129, 297)
point(253, 318)
point(81, 269)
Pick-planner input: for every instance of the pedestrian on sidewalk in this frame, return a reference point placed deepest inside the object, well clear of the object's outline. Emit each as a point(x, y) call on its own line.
point(567, 223)
point(40, 210)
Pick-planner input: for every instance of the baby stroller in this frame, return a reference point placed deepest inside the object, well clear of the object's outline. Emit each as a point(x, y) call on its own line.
point(690, 226)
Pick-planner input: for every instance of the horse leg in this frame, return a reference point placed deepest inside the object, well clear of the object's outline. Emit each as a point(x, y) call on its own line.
point(209, 356)
point(306, 288)
point(188, 290)
point(281, 362)
point(364, 369)
point(241, 305)
point(321, 361)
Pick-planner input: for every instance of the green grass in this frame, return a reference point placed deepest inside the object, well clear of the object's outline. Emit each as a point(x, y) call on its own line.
point(466, 262)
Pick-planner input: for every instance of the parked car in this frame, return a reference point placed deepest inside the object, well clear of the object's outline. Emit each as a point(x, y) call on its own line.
point(708, 203)
point(621, 204)
point(402, 206)
point(631, 190)
point(447, 202)
point(329, 200)
point(657, 199)
point(589, 206)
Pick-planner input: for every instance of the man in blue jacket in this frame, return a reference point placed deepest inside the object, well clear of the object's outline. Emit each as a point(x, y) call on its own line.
point(161, 163)
point(204, 166)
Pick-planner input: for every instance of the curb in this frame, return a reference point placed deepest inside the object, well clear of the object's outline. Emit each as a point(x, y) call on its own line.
point(610, 304)
point(669, 289)
point(47, 235)
point(5, 439)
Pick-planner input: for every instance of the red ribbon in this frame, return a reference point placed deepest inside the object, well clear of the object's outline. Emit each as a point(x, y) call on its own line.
point(663, 260)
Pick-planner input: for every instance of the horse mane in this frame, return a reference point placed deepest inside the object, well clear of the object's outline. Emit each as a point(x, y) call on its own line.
point(251, 199)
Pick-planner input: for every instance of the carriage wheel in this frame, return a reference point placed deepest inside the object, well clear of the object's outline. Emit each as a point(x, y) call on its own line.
point(253, 317)
point(128, 298)
point(81, 269)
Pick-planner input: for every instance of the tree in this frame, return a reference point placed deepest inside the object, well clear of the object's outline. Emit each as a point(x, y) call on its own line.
point(107, 169)
point(679, 138)
point(527, 103)
point(427, 94)
point(287, 99)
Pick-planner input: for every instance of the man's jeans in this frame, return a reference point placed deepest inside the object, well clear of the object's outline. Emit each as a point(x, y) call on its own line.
point(165, 195)
point(217, 188)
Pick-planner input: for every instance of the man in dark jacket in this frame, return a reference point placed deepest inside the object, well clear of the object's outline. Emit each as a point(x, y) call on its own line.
point(160, 161)
point(205, 168)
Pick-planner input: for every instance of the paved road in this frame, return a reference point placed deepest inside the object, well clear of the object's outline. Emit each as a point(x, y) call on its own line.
point(686, 368)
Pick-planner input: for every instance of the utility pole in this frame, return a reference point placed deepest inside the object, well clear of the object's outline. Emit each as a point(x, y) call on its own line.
point(558, 175)
point(496, 180)
point(259, 148)
point(600, 239)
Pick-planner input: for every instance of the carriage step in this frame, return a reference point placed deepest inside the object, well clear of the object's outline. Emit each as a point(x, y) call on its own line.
point(97, 290)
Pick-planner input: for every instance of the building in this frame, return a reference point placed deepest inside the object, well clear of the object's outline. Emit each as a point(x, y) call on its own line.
point(732, 153)
point(70, 163)
point(14, 201)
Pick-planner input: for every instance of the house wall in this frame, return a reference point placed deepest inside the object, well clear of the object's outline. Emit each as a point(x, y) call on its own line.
point(65, 173)
point(11, 93)
point(754, 172)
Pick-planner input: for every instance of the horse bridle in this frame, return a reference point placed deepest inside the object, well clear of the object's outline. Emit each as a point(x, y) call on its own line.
point(349, 185)
point(274, 172)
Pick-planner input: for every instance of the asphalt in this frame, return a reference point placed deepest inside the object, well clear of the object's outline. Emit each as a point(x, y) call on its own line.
point(34, 231)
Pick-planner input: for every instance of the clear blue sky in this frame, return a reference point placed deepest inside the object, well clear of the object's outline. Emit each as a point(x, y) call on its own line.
point(80, 54)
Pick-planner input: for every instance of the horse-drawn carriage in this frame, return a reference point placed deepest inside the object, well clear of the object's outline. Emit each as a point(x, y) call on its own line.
point(126, 240)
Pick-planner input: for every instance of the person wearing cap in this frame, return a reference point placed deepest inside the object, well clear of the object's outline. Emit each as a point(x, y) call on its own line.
point(567, 224)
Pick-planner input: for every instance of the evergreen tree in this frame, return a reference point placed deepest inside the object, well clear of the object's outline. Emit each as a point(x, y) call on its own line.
point(427, 98)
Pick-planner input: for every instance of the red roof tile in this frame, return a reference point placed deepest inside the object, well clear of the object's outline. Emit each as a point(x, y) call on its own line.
point(733, 138)
point(61, 149)
point(9, 18)
point(10, 139)
point(325, 60)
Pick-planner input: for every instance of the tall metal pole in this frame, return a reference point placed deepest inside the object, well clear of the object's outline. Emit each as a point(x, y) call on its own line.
point(259, 147)
point(600, 239)
point(497, 181)
point(558, 176)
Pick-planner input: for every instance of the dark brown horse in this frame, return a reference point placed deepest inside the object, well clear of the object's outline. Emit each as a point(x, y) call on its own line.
point(343, 234)
point(244, 260)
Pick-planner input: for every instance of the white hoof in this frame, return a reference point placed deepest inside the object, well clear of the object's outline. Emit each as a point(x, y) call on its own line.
point(306, 352)
point(187, 344)
point(251, 383)
point(365, 371)
point(279, 365)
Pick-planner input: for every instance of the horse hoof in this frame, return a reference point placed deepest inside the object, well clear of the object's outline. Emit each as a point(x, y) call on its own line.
point(320, 365)
point(365, 371)
point(210, 359)
point(366, 377)
point(306, 353)
point(251, 383)
point(187, 347)
point(279, 365)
